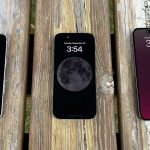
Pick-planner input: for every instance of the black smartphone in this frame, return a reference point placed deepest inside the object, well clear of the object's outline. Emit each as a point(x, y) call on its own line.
point(2, 66)
point(74, 95)
point(141, 38)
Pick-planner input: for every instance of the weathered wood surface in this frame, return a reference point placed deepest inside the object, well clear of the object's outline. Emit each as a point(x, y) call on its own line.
point(14, 23)
point(130, 14)
point(47, 132)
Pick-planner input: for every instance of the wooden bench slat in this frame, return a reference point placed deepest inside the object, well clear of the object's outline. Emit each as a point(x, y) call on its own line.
point(129, 14)
point(14, 23)
point(47, 132)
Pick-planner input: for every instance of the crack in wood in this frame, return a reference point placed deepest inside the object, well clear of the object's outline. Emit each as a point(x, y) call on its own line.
point(147, 12)
point(84, 135)
point(79, 12)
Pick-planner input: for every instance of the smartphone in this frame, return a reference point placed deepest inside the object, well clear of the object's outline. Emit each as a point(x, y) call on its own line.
point(74, 95)
point(141, 38)
point(2, 70)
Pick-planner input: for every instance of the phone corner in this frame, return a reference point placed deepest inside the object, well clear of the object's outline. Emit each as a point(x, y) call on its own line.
point(141, 116)
point(135, 30)
point(1, 113)
point(92, 116)
point(3, 36)
point(91, 35)
point(56, 115)
point(57, 35)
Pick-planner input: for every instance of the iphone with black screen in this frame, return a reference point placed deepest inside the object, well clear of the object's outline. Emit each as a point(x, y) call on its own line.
point(2, 67)
point(74, 94)
point(142, 63)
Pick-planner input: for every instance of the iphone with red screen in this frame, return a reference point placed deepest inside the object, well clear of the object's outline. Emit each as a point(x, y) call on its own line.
point(142, 63)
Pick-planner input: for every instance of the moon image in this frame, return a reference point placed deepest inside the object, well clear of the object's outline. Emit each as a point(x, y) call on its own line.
point(74, 74)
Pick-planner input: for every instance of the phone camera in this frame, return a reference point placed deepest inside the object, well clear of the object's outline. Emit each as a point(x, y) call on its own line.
point(148, 31)
point(67, 37)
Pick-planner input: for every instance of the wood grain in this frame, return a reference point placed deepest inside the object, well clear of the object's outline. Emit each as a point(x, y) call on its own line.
point(14, 23)
point(47, 132)
point(134, 131)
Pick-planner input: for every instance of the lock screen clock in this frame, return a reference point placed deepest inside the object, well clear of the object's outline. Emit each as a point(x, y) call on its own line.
point(74, 49)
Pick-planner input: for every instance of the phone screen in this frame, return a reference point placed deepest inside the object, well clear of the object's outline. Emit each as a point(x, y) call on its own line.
point(74, 94)
point(2, 66)
point(142, 61)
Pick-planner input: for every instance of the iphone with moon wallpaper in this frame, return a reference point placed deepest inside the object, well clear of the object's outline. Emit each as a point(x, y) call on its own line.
point(74, 92)
point(2, 67)
point(142, 66)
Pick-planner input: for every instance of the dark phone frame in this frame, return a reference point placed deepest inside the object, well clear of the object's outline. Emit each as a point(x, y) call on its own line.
point(71, 116)
point(136, 74)
point(30, 64)
point(2, 72)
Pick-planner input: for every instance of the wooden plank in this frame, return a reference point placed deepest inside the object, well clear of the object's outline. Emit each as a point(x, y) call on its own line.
point(14, 23)
point(134, 131)
point(47, 132)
